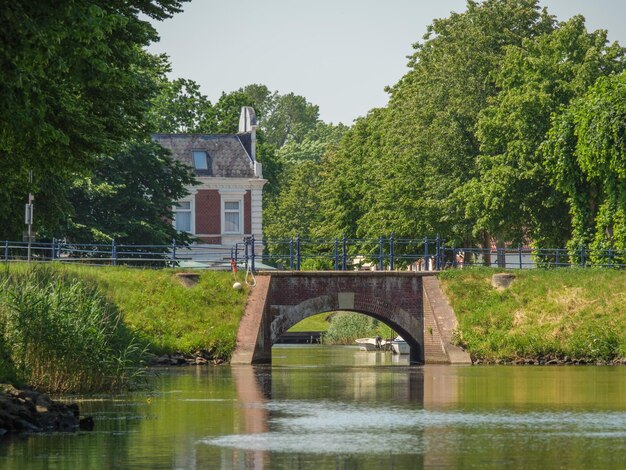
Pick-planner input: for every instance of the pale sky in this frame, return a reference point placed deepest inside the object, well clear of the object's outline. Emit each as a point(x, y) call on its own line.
point(338, 54)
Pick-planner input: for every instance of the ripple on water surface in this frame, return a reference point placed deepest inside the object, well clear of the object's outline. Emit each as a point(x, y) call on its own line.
point(314, 427)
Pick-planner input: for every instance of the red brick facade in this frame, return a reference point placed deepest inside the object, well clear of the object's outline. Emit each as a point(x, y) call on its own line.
point(208, 215)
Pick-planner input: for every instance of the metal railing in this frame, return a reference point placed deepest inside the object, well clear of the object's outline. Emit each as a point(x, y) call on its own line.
point(113, 254)
point(340, 254)
point(420, 254)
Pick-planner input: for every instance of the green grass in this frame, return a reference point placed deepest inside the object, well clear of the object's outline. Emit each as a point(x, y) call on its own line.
point(319, 322)
point(168, 316)
point(151, 309)
point(573, 313)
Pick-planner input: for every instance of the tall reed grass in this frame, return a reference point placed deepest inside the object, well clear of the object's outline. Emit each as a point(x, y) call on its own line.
point(60, 334)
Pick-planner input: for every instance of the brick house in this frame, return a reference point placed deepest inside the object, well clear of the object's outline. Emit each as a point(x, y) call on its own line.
point(226, 206)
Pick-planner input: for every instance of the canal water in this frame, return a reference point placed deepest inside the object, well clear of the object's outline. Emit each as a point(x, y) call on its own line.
point(321, 407)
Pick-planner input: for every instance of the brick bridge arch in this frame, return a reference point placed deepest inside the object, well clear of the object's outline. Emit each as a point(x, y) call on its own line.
point(282, 299)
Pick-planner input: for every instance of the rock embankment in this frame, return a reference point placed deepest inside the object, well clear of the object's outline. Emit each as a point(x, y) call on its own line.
point(198, 358)
point(549, 361)
point(26, 411)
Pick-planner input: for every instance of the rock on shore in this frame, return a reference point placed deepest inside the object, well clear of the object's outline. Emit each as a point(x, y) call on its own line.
point(30, 411)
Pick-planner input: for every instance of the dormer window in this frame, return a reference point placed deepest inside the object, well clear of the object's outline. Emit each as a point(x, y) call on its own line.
point(200, 160)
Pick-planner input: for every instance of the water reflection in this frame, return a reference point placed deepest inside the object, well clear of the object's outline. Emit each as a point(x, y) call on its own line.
point(321, 407)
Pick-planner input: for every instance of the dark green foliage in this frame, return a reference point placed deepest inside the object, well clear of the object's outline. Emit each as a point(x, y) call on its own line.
point(129, 198)
point(75, 82)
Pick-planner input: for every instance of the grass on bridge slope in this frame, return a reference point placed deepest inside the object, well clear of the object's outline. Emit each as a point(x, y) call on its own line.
point(574, 313)
point(169, 316)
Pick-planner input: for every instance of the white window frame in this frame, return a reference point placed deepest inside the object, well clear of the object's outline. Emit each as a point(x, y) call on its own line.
point(192, 211)
point(232, 197)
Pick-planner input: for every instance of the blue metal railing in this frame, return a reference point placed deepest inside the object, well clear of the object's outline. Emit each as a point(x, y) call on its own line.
point(298, 253)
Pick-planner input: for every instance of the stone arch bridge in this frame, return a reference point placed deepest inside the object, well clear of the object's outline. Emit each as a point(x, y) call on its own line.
point(409, 302)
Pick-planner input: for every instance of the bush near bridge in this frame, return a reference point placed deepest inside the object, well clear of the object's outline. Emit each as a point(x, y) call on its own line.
point(559, 315)
point(68, 328)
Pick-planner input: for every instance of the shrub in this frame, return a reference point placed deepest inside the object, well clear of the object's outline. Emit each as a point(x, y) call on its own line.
point(345, 327)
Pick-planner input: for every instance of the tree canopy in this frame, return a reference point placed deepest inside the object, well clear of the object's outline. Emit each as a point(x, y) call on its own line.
point(76, 81)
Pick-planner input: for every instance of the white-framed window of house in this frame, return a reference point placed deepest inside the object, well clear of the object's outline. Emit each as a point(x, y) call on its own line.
point(232, 214)
point(184, 220)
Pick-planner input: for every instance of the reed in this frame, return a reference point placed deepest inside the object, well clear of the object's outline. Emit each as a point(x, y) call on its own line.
point(60, 334)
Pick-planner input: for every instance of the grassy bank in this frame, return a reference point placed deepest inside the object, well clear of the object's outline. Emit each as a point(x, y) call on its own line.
point(566, 313)
point(73, 328)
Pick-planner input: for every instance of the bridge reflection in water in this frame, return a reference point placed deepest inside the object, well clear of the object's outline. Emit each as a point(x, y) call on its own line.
point(334, 399)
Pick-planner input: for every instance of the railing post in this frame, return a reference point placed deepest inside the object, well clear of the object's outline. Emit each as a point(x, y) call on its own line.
point(381, 265)
point(52, 243)
point(453, 257)
point(344, 262)
point(236, 252)
point(113, 253)
point(245, 252)
point(6, 251)
point(252, 248)
point(59, 249)
point(426, 266)
point(442, 254)
point(336, 254)
point(298, 254)
point(437, 241)
point(557, 257)
point(519, 252)
point(610, 258)
point(391, 253)
point(291, 253)
point(173, 251)
point(582, 256)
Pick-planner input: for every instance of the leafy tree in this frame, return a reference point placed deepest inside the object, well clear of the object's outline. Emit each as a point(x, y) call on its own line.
point(299, 187)
point(128, 198)
point(292, 118)
point(586, 150)
point(313, 145)
point(75, 81)
point(411, 156)
point(181, 108)
point(511, 196)
point(345, 172)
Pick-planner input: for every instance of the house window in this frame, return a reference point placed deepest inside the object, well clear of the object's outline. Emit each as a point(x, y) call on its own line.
point(182, 216)
point(200, 161)
point(232, 216)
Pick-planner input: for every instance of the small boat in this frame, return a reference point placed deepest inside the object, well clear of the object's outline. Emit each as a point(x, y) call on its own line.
point(366, 344)
point(399, 346)
point(369, 344)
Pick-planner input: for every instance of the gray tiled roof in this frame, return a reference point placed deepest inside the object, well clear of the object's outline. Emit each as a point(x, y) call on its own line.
point(227, 155)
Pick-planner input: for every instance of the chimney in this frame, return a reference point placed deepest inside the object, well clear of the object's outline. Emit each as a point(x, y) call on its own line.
point(248, 123)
